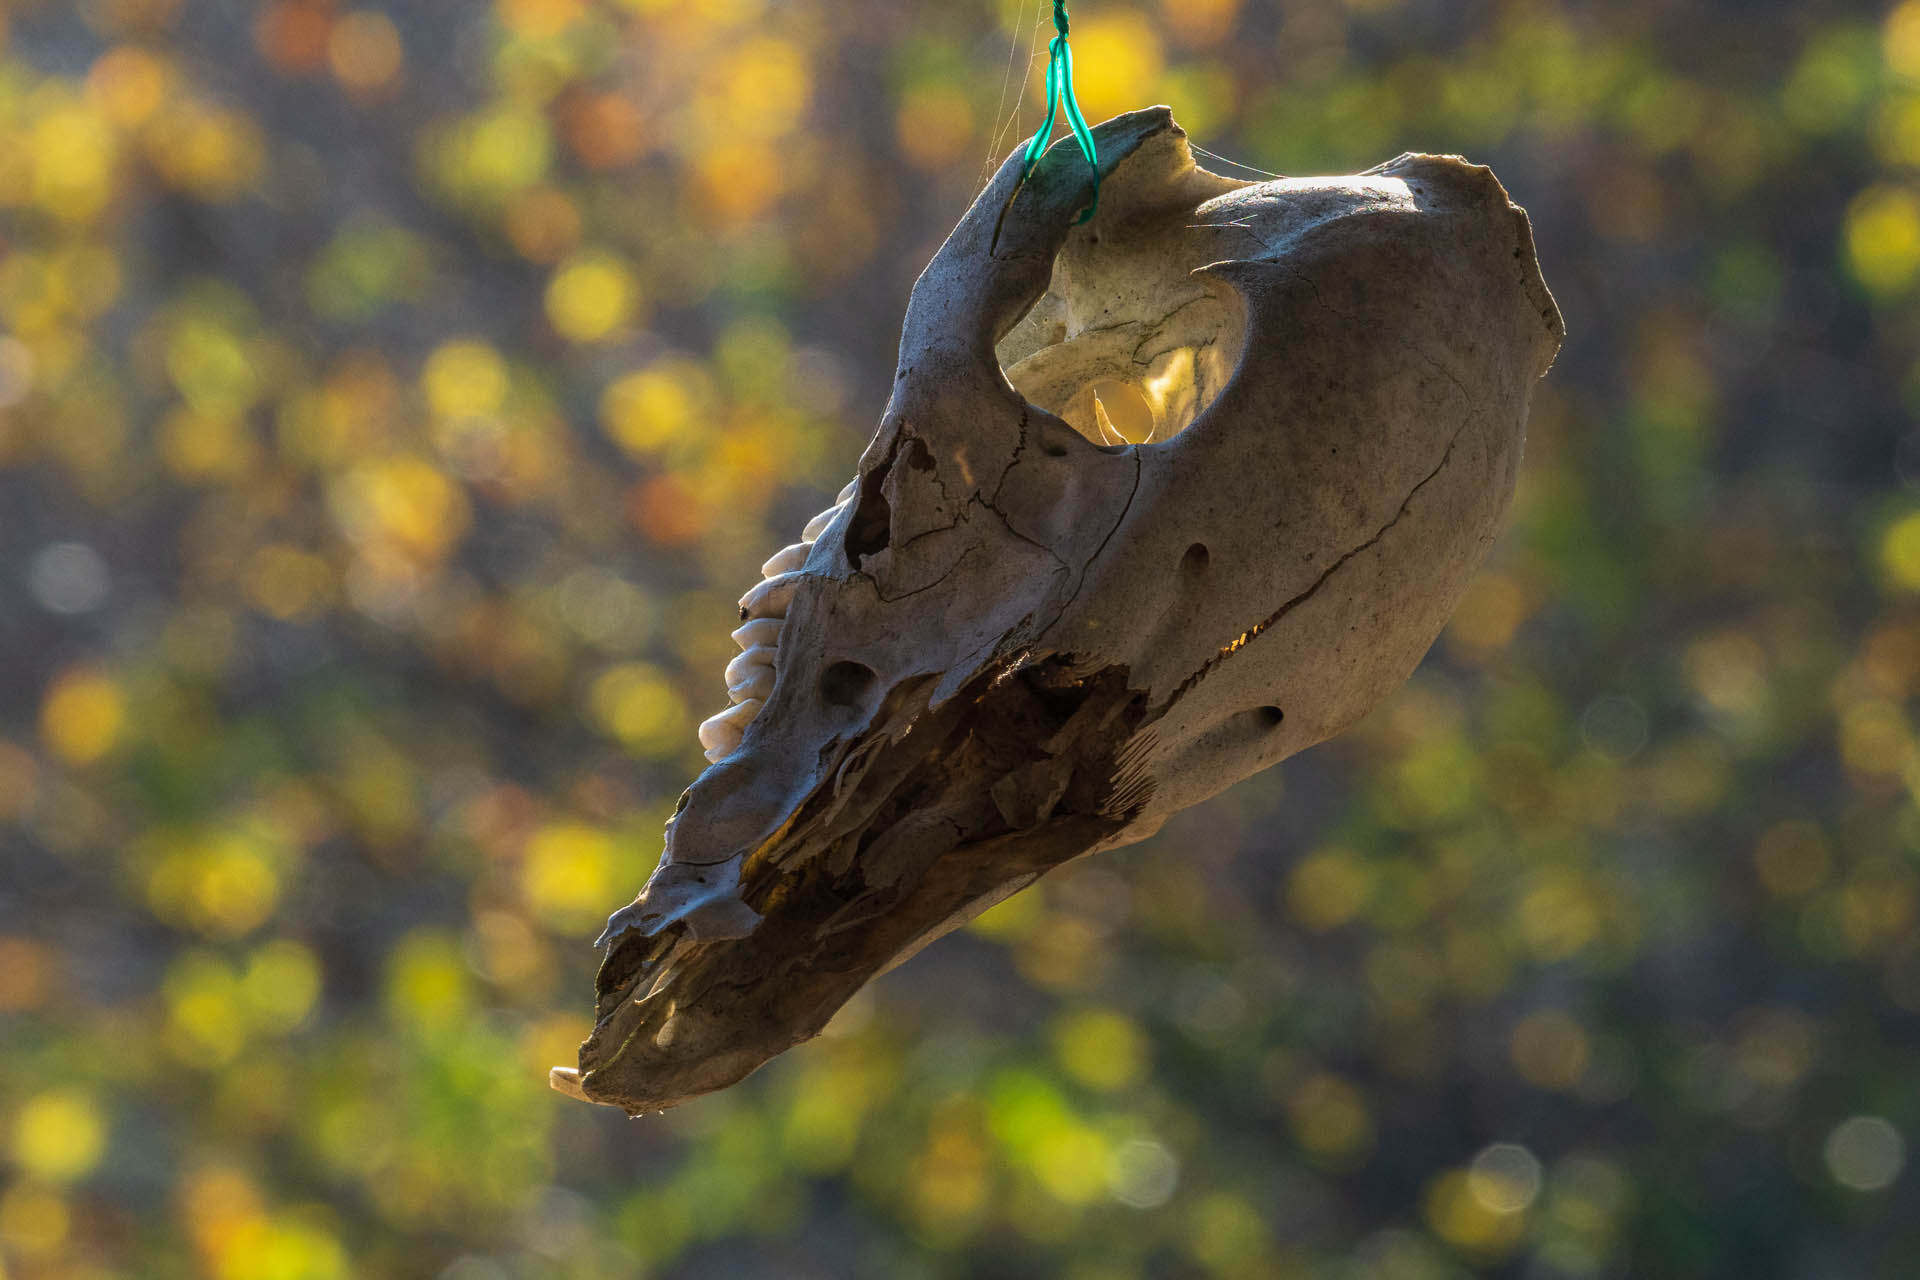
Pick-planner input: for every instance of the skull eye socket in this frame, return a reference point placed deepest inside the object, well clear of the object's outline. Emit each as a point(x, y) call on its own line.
point(846, 684)
point(1130, 343)
point(1139, 380)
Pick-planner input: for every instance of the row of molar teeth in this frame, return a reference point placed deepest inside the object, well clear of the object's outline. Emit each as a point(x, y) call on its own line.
point(763, 609)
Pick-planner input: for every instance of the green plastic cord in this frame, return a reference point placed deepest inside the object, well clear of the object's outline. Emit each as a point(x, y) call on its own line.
point(1059, 93)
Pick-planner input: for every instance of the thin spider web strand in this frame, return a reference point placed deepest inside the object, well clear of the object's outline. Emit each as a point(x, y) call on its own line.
point(1214, 155)
point(1012, 125)
point(1006, 78)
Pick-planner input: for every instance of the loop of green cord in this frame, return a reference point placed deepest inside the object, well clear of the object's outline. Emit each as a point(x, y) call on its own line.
point(1059, 94)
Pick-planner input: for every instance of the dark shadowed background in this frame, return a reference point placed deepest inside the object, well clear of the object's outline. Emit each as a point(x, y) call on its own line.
point(395, 397)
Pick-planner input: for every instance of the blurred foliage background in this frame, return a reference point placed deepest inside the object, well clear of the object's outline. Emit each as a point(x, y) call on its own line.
point(394, 396)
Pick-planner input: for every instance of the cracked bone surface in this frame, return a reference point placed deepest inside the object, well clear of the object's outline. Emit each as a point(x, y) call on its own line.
point(1019, 638)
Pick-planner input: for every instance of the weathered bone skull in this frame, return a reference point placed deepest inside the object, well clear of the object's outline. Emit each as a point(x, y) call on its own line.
point(1019, 638)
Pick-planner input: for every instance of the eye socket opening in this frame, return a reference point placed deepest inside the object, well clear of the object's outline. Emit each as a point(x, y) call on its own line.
point(846, 684)
point(1130, 355)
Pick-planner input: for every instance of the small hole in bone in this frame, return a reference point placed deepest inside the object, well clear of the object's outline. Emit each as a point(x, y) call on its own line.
point(872, 517)
point(1194, 563)
point(1050, 435)
point(845, 684)
point(1268, 717)
point(1123, 407)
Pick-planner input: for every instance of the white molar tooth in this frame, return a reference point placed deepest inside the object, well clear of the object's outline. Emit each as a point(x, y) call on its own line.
point(745, 664)
point(787, 559)
point(818, 525)
point(756, 683)
point(761, 632)
point(720, 734)
point(771, 598)
point(717, 739)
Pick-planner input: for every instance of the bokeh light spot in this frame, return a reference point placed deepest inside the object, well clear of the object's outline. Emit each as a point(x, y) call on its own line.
point(365, 52)
point(1116, 56)
point(83, 714)
point(1900, 552)
point(281, 985)
point(75, 154)
point(292, 35)
point(593, 296)
point(658, 407)
point(427, 986)
point(1901, 39)
point(1328, 888)
point(464, 377)
point(1883, 238)
point(128, 85)
point(935, 125)
point(1142, 1173)
point(1865, 1153)
point(636, 704)
point(1100, 1048)
point(68, 578)
point(34, 1219)
point(1464, 1220)
point(1504, 1177)
point(539, 19)
point(59, 1136)
point(568, 877)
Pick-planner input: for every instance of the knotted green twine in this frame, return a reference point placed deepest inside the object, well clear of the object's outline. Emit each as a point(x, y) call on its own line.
point(1060, 93)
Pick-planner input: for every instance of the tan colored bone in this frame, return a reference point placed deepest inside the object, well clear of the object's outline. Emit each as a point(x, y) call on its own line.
point(1015, 641)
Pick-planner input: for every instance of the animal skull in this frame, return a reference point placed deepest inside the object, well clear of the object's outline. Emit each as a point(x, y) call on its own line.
point(1019, 638)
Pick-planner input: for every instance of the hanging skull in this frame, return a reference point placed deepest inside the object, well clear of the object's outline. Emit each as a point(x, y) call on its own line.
point(1020, 638)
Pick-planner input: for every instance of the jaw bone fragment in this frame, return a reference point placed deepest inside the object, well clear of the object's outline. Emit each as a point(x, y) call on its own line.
point(1017, 639)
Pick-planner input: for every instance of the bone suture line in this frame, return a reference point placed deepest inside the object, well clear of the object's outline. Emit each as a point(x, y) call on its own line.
point(750, 675)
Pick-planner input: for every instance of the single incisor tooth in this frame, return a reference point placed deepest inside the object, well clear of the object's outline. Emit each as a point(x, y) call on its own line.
point(722, 733)
point(717, 739)
point(771, 598)
point(848, 491)
point(740, 715)
point(786, 559)
point(756, 682)
point(744, 664)
point(760, 632)
point(818, 525)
